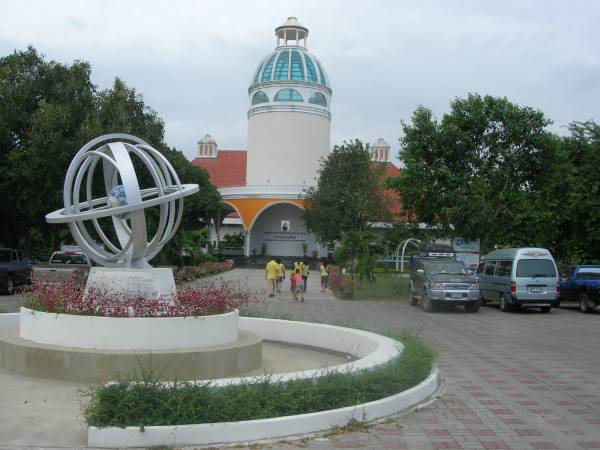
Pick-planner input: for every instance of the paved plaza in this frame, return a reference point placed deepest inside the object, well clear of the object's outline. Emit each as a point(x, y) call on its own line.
point(523, 380)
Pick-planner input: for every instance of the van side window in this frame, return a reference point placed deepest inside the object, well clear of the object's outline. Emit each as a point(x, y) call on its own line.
point(504, 268)
point(489, 267)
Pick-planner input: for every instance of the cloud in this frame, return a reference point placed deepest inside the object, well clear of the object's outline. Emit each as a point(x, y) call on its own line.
point(193, 60)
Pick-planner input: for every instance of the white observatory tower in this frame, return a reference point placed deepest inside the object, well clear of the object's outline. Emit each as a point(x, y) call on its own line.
point(289, 121)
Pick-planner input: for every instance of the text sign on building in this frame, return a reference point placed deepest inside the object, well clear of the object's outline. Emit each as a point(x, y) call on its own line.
point(285, 225)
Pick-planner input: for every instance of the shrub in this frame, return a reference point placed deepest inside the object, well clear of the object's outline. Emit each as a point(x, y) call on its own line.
point(207, 298)
point(148, 402)
point(191, 273)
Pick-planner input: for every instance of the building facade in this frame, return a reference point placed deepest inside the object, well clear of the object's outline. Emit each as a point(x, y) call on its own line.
point(289, 132)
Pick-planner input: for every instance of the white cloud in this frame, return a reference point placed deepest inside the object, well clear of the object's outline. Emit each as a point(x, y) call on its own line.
point(193, 60)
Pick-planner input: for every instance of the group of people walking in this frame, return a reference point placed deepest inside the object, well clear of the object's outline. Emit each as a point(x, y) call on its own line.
point(275, 274)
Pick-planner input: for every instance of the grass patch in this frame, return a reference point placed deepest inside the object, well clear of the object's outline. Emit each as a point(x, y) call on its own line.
point(147, 402)
point(385, 287)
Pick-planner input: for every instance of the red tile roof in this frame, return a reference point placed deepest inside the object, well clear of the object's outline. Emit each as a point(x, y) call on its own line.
point(227, 169)
point(391, 197)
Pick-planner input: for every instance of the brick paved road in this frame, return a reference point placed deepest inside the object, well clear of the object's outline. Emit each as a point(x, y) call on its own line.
point(523, 380)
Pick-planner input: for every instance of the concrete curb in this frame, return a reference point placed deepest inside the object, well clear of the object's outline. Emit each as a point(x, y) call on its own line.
point(373, 350)
point(258, 430)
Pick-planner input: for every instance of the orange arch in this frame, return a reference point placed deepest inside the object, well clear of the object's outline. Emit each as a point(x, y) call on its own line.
point(250, 208)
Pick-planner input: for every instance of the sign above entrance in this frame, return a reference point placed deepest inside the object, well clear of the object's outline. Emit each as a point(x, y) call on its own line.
point(285, 225)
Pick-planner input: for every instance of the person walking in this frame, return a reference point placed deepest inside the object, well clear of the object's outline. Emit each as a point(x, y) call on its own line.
point(298, 284)
point(280, 274)
point(305, 271)
point(271, 277)
point(324, 277)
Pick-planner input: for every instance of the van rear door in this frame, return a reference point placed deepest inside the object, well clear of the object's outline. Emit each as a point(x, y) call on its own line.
point(536, 279)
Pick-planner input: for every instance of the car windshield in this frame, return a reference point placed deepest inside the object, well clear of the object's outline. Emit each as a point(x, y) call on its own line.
point(449, 267)
point(535, 268)
point(4, 256)
point(69, 259)
point(588, 273)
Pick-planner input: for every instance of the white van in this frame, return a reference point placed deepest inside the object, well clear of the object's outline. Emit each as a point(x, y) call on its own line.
point(516, 277)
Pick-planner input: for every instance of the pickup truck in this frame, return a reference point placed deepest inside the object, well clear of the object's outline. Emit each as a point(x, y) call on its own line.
point(582, 284)
point(15, 270)
point(63, 265)
point(441, 280)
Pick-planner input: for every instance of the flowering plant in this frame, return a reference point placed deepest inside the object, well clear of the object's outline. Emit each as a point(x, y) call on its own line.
point(202, 299)
point(190, 273)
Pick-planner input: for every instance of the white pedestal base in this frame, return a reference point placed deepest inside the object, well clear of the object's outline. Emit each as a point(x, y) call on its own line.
point(151, 283)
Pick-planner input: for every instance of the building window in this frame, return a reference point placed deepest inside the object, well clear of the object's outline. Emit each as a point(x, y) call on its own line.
point(321, 75)
point(311, 74)
point(318, 99)
point(266, 76)
point(288, 95)
point(297, 66)
point(260, 97)
point(282, 67)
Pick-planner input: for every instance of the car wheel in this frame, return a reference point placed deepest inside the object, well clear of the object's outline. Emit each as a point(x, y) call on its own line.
point(10, 286)
point(472, 307)
point(426, 302)
point(584, 303)
point(504, 306)
point(413, 299)
point(545, 309)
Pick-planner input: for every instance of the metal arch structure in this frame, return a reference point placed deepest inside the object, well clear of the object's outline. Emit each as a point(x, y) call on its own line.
point(133, 248)
point(403, 244)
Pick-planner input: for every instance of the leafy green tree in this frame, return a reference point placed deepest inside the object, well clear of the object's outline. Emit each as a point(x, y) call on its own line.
point(348, 194)
point(580, 188)
point(487, 170)
point(47, 112)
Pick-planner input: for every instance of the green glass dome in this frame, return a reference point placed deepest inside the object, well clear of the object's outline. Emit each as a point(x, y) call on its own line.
point(290, 64)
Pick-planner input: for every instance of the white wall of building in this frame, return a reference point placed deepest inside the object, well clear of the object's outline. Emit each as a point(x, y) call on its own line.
point(268, 229)
point(285, 148)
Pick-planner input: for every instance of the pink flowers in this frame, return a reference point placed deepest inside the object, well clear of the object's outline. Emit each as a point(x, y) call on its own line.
point(205, 298)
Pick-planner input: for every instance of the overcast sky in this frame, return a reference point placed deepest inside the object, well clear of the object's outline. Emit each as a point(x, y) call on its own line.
point(193, 60)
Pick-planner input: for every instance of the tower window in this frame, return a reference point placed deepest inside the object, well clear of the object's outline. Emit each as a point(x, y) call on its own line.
point(297, 66)
point(266, 76)
point(260, 97)
point(311, 74)
point(288, 95)
point(282, 67)
point(321, 75)
point(318, 99)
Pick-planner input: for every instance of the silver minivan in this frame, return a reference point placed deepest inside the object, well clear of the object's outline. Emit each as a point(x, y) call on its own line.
point(516, 277)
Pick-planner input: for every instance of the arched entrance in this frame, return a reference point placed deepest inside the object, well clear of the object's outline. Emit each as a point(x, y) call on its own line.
point(279, 230)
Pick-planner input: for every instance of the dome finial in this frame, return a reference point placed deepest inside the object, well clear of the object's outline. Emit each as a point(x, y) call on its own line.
point(291, 32)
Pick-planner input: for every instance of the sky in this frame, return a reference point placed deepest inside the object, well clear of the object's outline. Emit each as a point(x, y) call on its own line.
point(193, 60)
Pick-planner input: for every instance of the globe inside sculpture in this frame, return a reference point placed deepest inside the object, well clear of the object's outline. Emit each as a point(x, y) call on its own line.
point(126, 243)
point(111, 227)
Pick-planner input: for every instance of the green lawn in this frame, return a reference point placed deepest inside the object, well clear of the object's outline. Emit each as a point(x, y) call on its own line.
point(385, 287)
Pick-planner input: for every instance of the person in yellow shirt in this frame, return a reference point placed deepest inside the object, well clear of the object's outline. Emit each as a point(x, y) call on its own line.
point(271, 277)
point(305, 271)
point(280, 274)
point(324, 276)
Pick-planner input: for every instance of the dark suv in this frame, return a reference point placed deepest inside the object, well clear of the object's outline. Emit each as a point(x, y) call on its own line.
point(15, 269)
point(441, 279)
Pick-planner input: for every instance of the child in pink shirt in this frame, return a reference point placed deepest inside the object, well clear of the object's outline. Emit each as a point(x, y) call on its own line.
point(298, 284)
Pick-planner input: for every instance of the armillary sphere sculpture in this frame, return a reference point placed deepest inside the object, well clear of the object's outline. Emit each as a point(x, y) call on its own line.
point(125, 202)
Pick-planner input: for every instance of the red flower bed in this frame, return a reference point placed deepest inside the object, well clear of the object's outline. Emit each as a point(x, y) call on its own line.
point(205, 298)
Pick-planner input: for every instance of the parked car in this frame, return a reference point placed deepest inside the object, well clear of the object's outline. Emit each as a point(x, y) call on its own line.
point(63, 265)
point(15, 269)
point(437, 278)
point(582, 284)
point(519, 277)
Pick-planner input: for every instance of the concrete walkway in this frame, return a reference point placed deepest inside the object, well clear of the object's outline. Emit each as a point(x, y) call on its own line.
point(523, 380)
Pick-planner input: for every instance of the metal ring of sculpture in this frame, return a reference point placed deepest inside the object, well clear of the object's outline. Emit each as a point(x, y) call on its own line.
point(124, 203)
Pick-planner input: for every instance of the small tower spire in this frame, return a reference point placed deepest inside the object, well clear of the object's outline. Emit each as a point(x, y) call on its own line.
point(291, 32)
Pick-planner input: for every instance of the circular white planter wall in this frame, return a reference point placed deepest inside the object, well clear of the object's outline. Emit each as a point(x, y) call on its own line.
point(116, 333)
